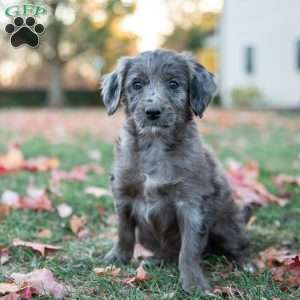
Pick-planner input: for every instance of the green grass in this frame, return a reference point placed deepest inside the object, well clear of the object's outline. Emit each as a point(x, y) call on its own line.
point(274, 148)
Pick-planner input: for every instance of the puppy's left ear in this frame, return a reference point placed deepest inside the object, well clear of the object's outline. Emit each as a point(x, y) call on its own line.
point(112, 86)
point(202, 87)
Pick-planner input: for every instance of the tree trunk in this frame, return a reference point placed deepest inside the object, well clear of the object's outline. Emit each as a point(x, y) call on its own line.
point(56, 95)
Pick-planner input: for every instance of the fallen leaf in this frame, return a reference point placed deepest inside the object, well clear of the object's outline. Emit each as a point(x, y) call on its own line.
point(12, 296)
point(78, 227)
point(41, 164)
point(141, 276)
point(4, 210)
point(246, 188)
point(43, 249)
point(14, 161)
point(282, 179)
point(45, 233)
point(110, 270)
point(112, 220)
point(43, 282)
point(77, 223)
point(100, 209)
point(11, 161)
point(228, 292)
point(97, 191)
point(4, 256)
point(6, 288)
point(140, 252)
point(10, 198)
point(37, 199)
point(78, 173)
point(64, 210)
point(283, 265)
point(95, 154)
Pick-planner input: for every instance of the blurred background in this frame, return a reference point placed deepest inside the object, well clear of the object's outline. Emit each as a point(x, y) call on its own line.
point(252, 46)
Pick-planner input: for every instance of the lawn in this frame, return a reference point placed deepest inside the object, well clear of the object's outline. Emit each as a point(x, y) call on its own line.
point(272, 140)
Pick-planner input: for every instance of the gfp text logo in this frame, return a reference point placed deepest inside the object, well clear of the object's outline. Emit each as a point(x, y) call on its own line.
point(24, 30)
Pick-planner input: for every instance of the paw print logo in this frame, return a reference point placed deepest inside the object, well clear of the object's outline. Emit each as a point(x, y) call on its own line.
point(24, 33)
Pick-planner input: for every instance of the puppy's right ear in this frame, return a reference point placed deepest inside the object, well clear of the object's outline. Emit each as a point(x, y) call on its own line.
point(112, 86)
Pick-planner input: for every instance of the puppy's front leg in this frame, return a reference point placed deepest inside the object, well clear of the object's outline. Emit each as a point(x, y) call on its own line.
point(123, 250)
point(193, 241)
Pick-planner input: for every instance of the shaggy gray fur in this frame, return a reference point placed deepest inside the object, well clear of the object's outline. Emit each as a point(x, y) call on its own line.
point(170, 193)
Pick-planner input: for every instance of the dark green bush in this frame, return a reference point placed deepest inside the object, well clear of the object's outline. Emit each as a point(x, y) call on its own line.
point(37, 98)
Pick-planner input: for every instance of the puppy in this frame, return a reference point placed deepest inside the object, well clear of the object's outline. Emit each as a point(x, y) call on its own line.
point(170, 193)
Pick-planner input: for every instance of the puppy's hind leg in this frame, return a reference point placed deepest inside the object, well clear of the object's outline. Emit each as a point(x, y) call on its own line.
point(230, 237)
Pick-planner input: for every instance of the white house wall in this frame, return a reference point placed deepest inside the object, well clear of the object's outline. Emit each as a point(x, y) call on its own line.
point(272, 27)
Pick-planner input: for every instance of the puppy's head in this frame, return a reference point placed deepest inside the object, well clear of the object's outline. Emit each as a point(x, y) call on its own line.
point(159, 88)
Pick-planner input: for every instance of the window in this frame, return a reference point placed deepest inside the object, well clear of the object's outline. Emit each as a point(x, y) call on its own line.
point(298, 55)
point(249, 60)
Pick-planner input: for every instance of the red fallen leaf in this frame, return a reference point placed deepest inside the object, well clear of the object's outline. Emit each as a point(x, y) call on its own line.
point(141, 276)
point(284, 266)
point(43, 249)
point(37, 199)
point(140, 252)
point(42, 282)
point(27, 293)
point(78, 173)
point(246, 188)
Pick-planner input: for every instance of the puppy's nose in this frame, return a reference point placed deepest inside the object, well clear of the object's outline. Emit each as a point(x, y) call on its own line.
point(152, 113)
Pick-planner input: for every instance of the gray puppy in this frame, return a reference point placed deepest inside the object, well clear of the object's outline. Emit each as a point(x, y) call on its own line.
point(170, 193)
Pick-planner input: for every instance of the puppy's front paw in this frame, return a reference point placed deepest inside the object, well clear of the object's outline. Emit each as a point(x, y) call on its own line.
point(116, 256)
point(193, 281)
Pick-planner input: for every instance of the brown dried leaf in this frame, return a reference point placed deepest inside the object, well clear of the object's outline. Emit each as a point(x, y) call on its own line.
point(227, 292)
point(43, 249)
point(4, 256)
point(110, 270)
point(43, 282)
point(78, 227)
point(41, 164)
point(77, 224)
point(11, 296)
point(6, 288)
point(45, 233)
point(4, 210)
point(141, 276)
point(11, 161)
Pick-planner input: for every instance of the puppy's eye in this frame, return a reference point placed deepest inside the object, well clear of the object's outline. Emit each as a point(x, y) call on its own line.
point(137, 85)
point(173, 84)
